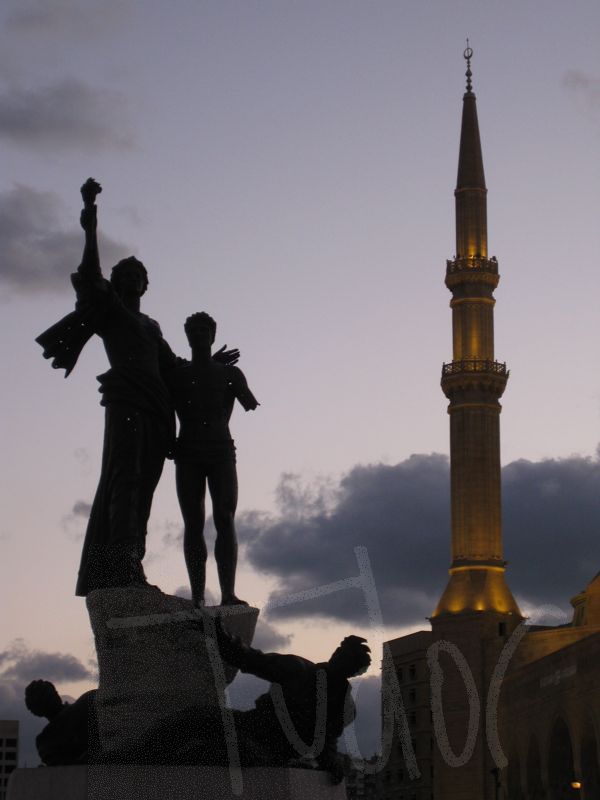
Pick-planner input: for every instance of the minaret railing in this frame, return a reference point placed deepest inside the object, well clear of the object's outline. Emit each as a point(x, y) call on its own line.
point(472, 263)
point(475, 365)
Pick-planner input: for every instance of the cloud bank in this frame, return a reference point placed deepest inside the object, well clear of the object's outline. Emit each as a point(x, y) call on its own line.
point(63, 17)
point(586, 90)
point(401, 514)
point(268, 639)
point(19, 665)
point(367, 724)
point(65, 115)
point(266, 636)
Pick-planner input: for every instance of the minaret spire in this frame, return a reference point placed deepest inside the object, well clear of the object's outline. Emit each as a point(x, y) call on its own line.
point(471, 191)
point(473, 382)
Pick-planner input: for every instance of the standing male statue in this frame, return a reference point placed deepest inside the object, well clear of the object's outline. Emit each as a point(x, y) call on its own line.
point(204, 393)
point(139, 421)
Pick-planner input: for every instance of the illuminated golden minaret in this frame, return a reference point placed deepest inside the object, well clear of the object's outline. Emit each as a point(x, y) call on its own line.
point(473, 382)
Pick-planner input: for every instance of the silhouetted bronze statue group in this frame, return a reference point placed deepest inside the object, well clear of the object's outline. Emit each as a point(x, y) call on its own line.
point(145, 389)
point(143, 386)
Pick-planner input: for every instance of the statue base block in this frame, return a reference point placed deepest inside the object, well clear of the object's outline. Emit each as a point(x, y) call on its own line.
point(171, 783)
point(154, 662)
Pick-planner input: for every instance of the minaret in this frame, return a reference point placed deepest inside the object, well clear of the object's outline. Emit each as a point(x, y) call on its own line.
point(477, 612)
point(459, 757)
point(473, 382)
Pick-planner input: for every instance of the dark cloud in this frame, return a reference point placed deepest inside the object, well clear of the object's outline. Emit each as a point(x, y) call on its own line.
point(36, 253)
point(93, 669)
point(82, 456)
point(266, 636)
point(171, 533)
point(244, 690)
point(65, 115)
point(301, 499)
point(185, 591)
point(401, 514)
point(18, 666)
point(586, 89)
point(82, 509)
point(367, 725)
point(12, 706)
point(268, 639)
point(22, 665)
point(74, 523)
point(62, 16)
point(551, 522)
point(39, 15)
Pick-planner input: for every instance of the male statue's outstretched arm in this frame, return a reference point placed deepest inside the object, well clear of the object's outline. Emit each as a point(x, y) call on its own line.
point(273, 667)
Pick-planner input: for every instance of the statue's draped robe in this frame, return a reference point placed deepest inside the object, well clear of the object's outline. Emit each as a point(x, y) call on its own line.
point(139, 427)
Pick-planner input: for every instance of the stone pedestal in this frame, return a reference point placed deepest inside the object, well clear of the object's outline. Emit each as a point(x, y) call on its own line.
point(170, 783)
point(155, 661)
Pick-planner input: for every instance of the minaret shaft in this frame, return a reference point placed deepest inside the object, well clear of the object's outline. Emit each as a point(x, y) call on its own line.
point(472, 328)
point(475, 485)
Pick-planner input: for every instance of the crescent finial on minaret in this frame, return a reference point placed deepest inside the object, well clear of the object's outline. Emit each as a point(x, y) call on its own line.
point(468, 54)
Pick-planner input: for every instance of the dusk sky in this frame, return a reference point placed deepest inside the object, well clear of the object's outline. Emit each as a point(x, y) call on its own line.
point(289, 167)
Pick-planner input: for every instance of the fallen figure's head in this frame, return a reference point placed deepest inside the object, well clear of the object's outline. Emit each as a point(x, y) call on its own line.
point(72, 730)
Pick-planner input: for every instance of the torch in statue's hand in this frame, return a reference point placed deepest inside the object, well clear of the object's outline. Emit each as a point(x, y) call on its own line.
point(89, 191)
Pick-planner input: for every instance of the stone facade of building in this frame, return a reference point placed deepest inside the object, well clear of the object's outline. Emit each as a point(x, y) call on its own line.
point(9, 752)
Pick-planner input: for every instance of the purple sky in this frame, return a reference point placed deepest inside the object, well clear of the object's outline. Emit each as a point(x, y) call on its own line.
point(289, 167)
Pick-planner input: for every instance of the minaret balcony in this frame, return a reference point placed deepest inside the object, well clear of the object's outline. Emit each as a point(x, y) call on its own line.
point(470, 263)
point(475, 365)
point(471, 270)
point(474, 380)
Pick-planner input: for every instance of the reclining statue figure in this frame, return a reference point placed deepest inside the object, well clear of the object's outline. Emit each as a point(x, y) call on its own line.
point(66, 737)
point(296, 723)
